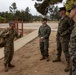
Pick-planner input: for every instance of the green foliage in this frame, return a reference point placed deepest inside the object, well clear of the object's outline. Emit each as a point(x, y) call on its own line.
point(37, 18)
point(55, 14)
point(69, 3)
point(42, 7)
point(2, 18)
point(19, 15)
point(54, 1)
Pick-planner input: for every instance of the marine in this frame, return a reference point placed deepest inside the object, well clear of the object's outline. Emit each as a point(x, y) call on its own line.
point(72, 43)
point(44, 33)
point(9, 34)
point(63, 36)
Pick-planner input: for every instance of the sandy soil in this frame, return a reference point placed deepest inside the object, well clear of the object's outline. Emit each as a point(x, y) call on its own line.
point(27, 60)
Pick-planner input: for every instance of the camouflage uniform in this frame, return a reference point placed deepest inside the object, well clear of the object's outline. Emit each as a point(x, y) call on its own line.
point(44, 31)
point(72, 51)
point(9, 44)
point(63, 36)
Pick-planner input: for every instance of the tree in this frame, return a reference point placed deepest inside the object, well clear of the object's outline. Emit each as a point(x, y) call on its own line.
point(17, 15)
point(55, 14)
point(27, 10)
point(13, 8)
point(41, 7)
point(69, 3)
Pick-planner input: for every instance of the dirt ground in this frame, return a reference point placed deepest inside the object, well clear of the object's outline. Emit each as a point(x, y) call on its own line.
point(27, 60)
point(27, 31)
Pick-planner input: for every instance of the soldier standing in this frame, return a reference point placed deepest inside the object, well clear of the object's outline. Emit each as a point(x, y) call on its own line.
point(72, 44)
point(63, 36)
point(9, 35)
point(44, 33)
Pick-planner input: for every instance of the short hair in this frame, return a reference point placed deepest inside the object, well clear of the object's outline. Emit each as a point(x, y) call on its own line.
point(44, 19)
point(62, 9)
point(11, 22)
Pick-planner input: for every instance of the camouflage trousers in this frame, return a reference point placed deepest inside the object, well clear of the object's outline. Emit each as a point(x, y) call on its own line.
point(44, 48)
point(72, 67)
point(62, 45)
point(8, 54)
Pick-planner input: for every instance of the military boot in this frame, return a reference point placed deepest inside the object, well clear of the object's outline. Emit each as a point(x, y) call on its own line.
point(5, 67)
point(11, 66)
point(67, 67)
point(47, 59)
point(58, 59)
point(42, 58)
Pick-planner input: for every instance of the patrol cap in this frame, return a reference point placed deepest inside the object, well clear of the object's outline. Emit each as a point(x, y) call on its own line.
point(11, 22)
point(44, 19)
point(62, 8)
point(73, 6)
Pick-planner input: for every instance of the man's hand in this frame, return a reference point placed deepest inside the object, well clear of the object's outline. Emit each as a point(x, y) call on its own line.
point(7, 33)
point(74, 59)
point(42, 38)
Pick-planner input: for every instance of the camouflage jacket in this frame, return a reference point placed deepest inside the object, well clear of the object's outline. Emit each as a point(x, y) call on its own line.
point(72, 51)
point(44, 31)
point(72, 44)
point(65, 26)
point(9, 38)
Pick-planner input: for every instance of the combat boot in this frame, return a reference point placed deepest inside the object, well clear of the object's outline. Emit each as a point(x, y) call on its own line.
point(47, 59)
point(11, 66)
point(58, 59)
point(42, 58)
point(67, 67)
point(5, 68)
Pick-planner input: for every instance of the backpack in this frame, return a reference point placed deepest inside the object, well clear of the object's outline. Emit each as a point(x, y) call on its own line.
point(2, 42)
